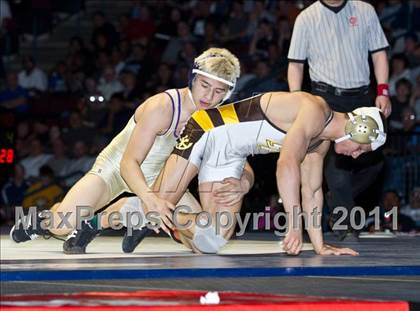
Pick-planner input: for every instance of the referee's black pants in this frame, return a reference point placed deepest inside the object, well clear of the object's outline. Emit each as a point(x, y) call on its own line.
point(347, 177)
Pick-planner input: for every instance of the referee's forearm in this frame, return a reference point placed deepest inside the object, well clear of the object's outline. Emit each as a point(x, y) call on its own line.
point(380, 65)
point(295, 76)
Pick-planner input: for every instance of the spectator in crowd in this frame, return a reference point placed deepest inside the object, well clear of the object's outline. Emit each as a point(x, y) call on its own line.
point(40, 130)
point(5, 16)
point(44, 192)
point(9, 39)
point(59, 161)
point(233, 30)
point(400, 101)
point(399, 70)
point(77, 130)
point(130, 93)
point(211, 36)
point(54, 134)
point(79, 58)
point(104, 30)
point(13, 192)
point(175, 44)
point(125, 48)
point(284, 35)
point(275, 60)
point(117, 116)
point(57, 82)
point(37, 21)
point(246, 76)
point(264, 81)
point(412, 209)
point(411, 129)
point(414, 20)
point(168, 26)
point(415, 98)
point(109, 83)
point(200, 16)
point(14, 97)
point(80, 163)
point(36, 158)
point(391, 200)
point(162, 78)
point(262, 13)
point(24, 135)
point(117, 60)
point(98, 144)
point(187, 54)
point(181, 75)
point(392, 15)
point(139, 63)
point(261, 39)
point(92, 107)
point(411, 43)
point(140, 26)
point(102, 44)
point(32, 78)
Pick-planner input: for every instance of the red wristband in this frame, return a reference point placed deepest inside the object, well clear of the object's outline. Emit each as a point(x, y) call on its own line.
point(383, 89)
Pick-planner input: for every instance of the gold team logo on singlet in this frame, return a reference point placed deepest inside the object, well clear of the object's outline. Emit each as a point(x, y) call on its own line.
point(184, 143)
point(270, 145)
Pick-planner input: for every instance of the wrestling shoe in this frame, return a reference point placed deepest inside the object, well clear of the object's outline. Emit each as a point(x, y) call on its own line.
point(130, 242)
point(27, 229)
point(78, 240)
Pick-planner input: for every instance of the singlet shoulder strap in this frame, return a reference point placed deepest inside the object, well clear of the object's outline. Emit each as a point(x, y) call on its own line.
point(175, 98)
point(329, 119)
point(315, 144)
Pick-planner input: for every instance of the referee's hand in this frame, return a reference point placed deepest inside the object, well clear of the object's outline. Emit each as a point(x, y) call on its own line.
point(384, 103)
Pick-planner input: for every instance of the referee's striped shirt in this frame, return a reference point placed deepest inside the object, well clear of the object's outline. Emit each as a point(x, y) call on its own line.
point(337, 42)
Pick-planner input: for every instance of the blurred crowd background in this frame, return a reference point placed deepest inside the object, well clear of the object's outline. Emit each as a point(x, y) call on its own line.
point(72, 72)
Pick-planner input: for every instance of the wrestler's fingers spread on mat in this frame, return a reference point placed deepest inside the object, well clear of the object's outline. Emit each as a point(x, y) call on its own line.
point(295, 248)
point(164, 227)
point(349, 251)
point(287, 246)
point(167, 222)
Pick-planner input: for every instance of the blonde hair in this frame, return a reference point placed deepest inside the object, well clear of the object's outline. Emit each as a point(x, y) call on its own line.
point(219, 62)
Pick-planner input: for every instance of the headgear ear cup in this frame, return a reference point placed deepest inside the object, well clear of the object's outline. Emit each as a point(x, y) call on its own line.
point(365, 126)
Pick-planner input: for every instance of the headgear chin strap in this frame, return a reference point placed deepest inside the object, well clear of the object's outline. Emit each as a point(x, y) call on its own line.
point(365, 126)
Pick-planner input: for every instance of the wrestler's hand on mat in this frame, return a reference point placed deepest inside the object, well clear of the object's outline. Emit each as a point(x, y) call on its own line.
point(332, 250)
point(293, 242)
point(231, 193)
point(164, 210)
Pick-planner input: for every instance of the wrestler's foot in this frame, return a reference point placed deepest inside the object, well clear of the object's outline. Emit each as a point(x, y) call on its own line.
point(77, 242)
point(27, 229)
point(131, 241)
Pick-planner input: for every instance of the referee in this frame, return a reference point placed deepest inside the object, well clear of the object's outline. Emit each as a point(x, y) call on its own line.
point(336, 37)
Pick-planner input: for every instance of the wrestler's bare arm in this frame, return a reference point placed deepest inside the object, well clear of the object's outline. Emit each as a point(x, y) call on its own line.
point(152, 118)
point(311, 193)
point(312, 201)
point(308, 123)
